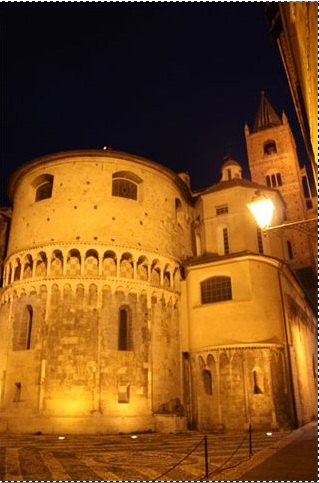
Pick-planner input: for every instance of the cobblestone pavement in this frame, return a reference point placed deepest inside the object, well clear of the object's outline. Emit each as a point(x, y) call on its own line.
point(148, 457)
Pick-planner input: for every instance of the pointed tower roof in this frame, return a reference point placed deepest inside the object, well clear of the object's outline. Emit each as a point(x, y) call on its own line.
point(266, 115)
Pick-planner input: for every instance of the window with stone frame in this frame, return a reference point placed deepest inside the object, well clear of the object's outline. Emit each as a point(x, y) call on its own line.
point(125, 184)
point(270, 147)
point(125, 329)
point(43, 186)
point(207, 381)
point(124, 188)
point(221, 210)
point(23, 331)
point(274, 180)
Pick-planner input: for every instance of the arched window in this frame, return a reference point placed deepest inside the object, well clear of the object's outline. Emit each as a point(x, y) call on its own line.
point(125, 184)
point(124, 334)
point(24, 330)
point(270, 147)
point(216, 289)
point(43, 187)
point(207, 381)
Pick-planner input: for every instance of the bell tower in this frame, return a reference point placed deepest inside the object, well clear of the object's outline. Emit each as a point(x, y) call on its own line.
point(273, 161)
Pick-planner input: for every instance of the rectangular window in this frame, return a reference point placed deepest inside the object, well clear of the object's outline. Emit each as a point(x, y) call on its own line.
point(279, 180)
point(226, 241)
point(124, 188)
point(124, 393)
point(216, 289)
point(221, 210)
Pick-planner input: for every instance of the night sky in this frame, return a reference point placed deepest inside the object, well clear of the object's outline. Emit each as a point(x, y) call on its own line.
point(174, 82)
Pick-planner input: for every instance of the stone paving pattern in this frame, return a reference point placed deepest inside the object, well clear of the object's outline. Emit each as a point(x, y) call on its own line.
point(121, 458)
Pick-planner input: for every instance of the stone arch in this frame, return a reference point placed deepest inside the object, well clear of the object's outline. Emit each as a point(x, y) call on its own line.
point(43, 291)
point(73, 263)
point(92, 295)
point(27, 265)
point(109, 264)
point(32, 290)
point(106, 296)
point(237, 370)
point(224, 369)
point(154, 298)
point(56, 263)
point(155, 272)
point(9, 274)
point(210, 360)
point(177, 279)
point(126, 265)
point(207, 381)
point(201, 363)
point(17, 270)
point(91, 263)
point(55, 295)
point(167, 276)
point(142, 268)
point(79, 295)
point(132, 294)
point(120, 294)
point(163, 301)
point(67, 295)
point(41, 264)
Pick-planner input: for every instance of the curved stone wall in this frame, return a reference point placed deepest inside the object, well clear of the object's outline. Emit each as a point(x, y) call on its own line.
point(92, 289)
point(237, 386)
point(85, 205)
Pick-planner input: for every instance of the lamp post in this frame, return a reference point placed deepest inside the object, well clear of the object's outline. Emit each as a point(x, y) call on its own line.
point(263, 208)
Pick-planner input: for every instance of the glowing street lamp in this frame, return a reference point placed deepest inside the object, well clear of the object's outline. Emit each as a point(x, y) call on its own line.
point(262, 209)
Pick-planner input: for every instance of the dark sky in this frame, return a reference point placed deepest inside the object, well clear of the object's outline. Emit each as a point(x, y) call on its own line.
point(174, 82)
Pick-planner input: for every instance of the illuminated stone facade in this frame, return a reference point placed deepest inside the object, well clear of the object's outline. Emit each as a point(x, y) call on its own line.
point(97, 273)
point(294, 26)
point(130, 303)
point(273, 161)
